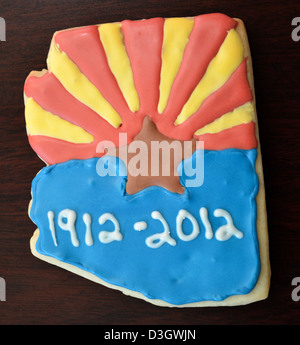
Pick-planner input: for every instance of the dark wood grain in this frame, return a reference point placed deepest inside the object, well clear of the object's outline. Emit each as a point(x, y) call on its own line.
point(38, 293)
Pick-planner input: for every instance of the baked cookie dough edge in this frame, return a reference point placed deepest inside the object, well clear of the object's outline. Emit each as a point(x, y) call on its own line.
point(261, 289)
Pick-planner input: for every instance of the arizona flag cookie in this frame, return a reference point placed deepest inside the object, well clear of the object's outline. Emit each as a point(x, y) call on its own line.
point(153, 183)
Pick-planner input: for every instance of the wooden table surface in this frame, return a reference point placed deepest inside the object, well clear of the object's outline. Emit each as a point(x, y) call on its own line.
point(38, 293)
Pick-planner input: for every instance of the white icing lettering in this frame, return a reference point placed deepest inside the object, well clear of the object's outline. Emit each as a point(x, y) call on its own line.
point(208, 229)
point(70, 215)
point(67, 219)
point(225, 232)
point(52, 226)
point(139, 226)
point(157, 240)
point(88, 233)
point(182, 215)
point(108, 236)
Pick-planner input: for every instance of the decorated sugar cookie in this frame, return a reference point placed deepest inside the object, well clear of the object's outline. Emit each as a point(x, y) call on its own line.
point(153, 183)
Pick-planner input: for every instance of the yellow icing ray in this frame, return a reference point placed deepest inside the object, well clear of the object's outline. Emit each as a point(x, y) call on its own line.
point(79, 86)
point(176, 37)
point(42, 122)
point(119, 63)
point(228, 58)
point(242, 114)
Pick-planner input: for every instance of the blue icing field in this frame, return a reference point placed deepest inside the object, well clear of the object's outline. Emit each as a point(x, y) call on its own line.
point(124, 240)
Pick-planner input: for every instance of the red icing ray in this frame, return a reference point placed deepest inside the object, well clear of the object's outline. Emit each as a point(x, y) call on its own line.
point(84, 48)
point(62, 103)
point(70, 109)
point(143, 41)
point(234, 93)
point(52, 150)
point(239, 137)
point(207, 36)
